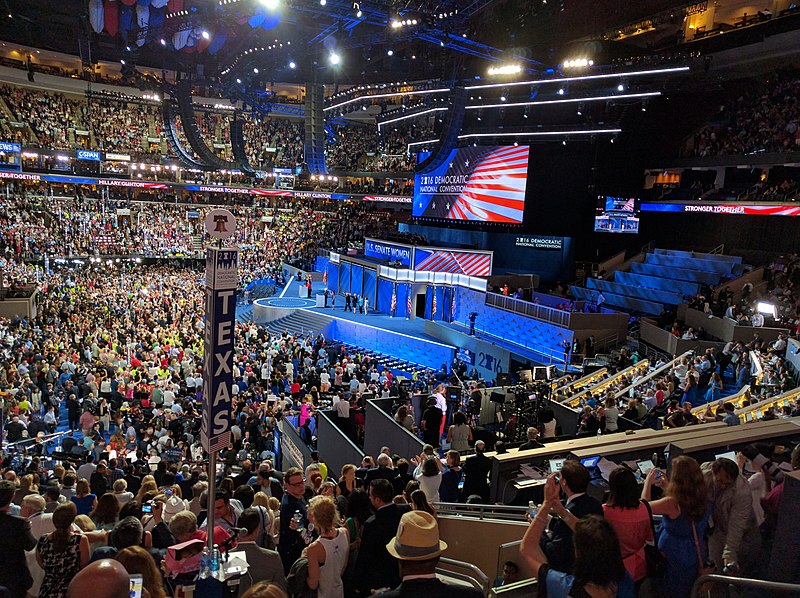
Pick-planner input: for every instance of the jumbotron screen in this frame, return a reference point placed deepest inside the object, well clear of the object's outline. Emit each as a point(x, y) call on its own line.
point(616, 215)
point(484, 184)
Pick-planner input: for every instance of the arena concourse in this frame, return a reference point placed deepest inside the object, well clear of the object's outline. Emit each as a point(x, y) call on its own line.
point(440, 299)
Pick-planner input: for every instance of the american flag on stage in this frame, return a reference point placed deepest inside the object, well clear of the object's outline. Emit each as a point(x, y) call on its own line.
point(409, 303)
point(394, 300)
point(325, 277)
point(457, 262)
point(453, 305)
point(433, 307)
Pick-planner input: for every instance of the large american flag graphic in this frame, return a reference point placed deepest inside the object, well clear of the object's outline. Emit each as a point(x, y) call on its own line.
point(457, 262)
point(495, 190)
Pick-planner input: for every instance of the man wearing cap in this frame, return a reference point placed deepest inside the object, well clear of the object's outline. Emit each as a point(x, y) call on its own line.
point(417, 548)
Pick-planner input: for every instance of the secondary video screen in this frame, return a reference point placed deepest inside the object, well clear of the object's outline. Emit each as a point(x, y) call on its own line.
point(616, 215)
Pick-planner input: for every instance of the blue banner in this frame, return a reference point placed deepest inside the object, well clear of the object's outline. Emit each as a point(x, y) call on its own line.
point(390, 252)
point(9, 147)
point(88, 155)
point(218, 346)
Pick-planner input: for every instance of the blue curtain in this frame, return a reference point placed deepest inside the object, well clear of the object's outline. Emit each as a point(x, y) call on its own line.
point(384, 304)
point(402, 300)
point(370, 280)
point(344, 277)
point(333, 277)
point(356, 279)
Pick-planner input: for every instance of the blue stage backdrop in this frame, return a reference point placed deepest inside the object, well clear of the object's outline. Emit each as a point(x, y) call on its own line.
point(356, 279)
point(333, 277)
point(370, 280)
point(344, 277)
point(384, 304)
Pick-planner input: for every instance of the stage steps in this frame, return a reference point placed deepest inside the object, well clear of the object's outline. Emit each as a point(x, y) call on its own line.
point(300, 322)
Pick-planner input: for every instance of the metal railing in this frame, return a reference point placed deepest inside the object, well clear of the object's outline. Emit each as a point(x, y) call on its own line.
point(534, 310)
point(482, 512)
point(718, 250)
point(469, 573)
point(764, 587)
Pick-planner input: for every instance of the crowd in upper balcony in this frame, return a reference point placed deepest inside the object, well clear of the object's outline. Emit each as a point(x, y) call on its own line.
point(764, 120)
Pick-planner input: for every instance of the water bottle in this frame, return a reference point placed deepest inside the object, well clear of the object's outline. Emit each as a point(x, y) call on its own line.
point(215, 562)
point(298, 519)
point(205, 563)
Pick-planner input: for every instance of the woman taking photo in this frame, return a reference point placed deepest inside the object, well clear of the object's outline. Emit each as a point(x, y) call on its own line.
point(137, 561)
point(598, 571)
point(61, 553)
point(327, 556)
point(630, 519)
point(685, 516)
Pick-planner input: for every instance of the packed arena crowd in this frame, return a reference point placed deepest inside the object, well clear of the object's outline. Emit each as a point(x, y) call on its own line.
point(766, 119)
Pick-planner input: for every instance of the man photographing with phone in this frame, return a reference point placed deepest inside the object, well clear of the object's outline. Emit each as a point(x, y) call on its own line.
point(556, 542)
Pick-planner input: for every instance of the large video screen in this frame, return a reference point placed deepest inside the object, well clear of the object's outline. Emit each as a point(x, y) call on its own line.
point(484, 184)
point(616, 215)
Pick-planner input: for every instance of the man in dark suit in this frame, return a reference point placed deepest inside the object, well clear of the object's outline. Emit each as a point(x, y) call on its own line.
point(417, 547)
point(556, 543)
point(266, 482)
point(375, 567)
point(476, 474)
point(264, 565)
point(383, 471)
point(17, 538)
point(533, 440)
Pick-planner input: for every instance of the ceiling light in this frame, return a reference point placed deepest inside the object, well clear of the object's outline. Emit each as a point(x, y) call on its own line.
point(323, 2)
point(292, 65)
point(561, 91)
point(270, 4)
point(334, 58)
point(206, 35)
point(239, 81)
point(390, 53)
point(255, 70)
point(163, 42)
point(122, 62)
point(620, 87)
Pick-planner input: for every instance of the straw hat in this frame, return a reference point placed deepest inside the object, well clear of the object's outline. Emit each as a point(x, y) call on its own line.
point(417, 538)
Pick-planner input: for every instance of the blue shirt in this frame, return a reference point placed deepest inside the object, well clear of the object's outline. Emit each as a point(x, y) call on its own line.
point(731, 419)
point(559, 585)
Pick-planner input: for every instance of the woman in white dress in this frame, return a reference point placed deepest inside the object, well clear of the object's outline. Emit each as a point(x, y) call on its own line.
point(327, 556)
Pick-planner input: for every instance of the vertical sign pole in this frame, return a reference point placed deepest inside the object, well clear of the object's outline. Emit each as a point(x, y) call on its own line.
point(218, 348)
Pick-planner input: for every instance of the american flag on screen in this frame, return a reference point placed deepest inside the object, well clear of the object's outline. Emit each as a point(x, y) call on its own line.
point(629, 205)
point(457, 262)
point(495, 190)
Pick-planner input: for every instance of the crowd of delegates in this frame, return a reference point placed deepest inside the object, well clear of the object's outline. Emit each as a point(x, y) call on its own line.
point(123, 362)
point(763, 120)
point(49, 115)
point(721, 514)
point(121, 126)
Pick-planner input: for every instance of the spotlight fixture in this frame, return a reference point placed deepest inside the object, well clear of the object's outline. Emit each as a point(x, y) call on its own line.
point(561, 91)
point(334, 58)
point(323, 2)
point(270, 4)
point(390, 53)
point(505, 69)
point(255, 70)
point(163, 42)
point(239, 81)
point(206, 35)
point(620, 87)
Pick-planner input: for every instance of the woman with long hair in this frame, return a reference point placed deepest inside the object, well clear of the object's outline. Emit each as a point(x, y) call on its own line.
point(106, 512)
point(429, 476)
point(715, 386)
point(61, 553)
point(327, 556)
point(459, 435)
point(685, 517)
point(419, 502)
point(598, 572)
point(348, 481)
point(148, 486)
point(630, 519)
point(137, 561)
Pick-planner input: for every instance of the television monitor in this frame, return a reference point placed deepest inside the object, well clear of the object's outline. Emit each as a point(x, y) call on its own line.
point(525, 376)
point(476, 183)
point(616, 215)
point(590, 462)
